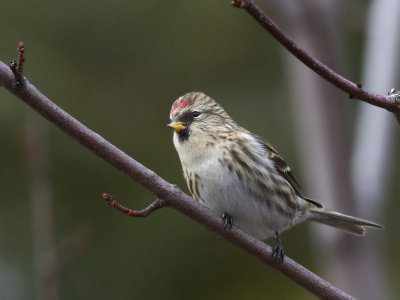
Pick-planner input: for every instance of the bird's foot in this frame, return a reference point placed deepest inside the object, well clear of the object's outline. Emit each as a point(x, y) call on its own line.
point(277, 251)
point(227, 221)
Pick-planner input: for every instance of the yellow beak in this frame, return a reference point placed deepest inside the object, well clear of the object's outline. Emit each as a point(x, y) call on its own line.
point(177, 126)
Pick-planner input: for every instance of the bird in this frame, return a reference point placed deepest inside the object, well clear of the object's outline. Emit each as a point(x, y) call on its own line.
point(241, 177)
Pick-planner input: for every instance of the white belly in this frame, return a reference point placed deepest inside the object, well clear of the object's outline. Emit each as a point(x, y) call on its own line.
point(223, 192)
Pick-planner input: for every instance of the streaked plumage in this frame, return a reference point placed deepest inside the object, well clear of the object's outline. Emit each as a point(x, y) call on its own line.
point(235, 172)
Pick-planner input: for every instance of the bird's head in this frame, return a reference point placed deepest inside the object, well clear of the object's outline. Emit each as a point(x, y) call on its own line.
point(197, 114)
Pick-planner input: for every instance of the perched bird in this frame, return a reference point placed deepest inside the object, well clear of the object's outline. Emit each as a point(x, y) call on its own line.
point(241, 177)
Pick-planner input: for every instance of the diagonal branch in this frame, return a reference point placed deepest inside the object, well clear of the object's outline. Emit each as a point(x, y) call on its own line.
point(354, 90)
point(157, 204)
point(171, 194)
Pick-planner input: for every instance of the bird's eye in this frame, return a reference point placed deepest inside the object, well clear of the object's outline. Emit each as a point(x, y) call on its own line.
point(196, 114)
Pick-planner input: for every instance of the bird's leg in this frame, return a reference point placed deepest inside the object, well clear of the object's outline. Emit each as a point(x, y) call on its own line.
point(227, 220)
point(277, 251)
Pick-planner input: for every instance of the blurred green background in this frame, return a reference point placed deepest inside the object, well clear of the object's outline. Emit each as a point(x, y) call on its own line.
point(117, 66)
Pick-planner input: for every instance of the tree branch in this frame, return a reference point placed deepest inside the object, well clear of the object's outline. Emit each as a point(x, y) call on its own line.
point(157, 204)
point(354, 90)
point(170, 194)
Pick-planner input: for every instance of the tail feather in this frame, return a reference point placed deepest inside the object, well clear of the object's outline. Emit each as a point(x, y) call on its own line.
point(347, 223)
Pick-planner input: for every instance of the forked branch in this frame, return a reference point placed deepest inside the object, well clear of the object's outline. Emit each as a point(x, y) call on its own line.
point(354, 90)
point(170, 194)
point(157, 204)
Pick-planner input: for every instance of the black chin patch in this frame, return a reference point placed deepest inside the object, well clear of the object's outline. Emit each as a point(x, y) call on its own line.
point(183, 135)
point(186, 118)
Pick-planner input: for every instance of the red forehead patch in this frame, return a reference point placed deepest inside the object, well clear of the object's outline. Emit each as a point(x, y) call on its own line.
point(179, 105)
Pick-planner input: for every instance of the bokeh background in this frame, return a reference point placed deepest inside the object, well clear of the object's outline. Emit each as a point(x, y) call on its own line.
point(117, 66)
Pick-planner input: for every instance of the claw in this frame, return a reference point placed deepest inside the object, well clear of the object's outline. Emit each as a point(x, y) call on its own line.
point(277, 251)
point(227, 221)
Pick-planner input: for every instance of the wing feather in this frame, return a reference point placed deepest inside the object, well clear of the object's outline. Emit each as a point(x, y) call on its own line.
point(280, 165)
point(283, 169)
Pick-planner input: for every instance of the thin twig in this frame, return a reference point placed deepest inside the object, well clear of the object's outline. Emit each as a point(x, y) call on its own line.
point(21, 58)
point(171, 194)
point(354, 90)
point(17, 75)
point(17, 67)
point(157, 204)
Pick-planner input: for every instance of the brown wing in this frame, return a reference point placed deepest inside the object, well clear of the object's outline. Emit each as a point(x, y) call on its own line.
point(285, 171)
point(281, 165)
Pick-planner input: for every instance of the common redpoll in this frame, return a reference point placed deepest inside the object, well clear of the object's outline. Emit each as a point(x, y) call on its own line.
point(240, 176)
